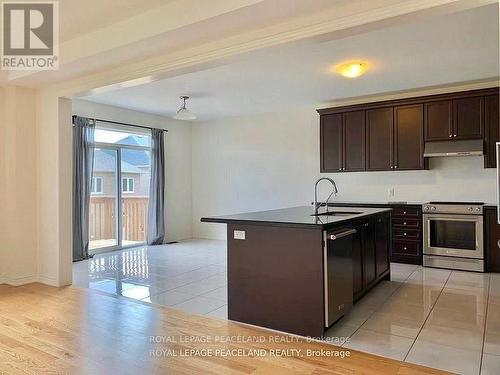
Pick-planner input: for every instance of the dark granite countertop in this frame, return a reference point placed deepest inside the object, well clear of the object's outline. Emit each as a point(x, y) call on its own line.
point(298, 216)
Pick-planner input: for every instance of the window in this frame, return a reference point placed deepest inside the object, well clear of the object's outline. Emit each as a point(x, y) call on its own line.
point(96, 185)
point(122, 158)
point(127, 185)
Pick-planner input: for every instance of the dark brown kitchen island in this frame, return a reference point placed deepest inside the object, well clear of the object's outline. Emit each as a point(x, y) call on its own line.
point(280, 275)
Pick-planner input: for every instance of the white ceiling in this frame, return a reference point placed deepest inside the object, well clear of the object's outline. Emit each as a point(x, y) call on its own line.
point(443, 50)
point(78, 17)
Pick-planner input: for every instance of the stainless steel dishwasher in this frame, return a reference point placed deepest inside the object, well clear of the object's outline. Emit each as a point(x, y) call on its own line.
point(337, 254)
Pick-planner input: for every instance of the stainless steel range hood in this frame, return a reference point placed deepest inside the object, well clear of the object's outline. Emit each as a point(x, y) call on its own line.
point(473, 147)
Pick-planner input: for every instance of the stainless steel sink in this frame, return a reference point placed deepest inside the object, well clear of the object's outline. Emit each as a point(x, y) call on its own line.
point(336, 213)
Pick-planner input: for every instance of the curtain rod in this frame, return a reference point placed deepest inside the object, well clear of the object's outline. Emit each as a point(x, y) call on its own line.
point(118, 123)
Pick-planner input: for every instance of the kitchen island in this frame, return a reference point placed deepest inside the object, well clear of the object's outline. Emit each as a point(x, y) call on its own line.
point(281, 273)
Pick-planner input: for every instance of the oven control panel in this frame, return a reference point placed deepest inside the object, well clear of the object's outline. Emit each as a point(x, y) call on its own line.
point(453, 208)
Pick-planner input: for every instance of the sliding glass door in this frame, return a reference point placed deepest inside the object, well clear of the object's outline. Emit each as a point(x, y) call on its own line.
point(120, 189)
point(135, 195)
point(103, 228)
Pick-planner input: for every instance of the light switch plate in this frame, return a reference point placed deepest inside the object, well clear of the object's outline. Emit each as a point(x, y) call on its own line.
point(239, 234)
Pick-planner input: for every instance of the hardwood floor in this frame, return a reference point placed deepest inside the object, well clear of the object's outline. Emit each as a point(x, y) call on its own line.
point(80, 331)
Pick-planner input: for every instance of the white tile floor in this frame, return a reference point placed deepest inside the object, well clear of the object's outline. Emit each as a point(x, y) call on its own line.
point(438, 318)
point(189, 275)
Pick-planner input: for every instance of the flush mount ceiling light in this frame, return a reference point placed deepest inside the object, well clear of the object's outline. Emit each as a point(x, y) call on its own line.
point(183, 113)
point(352, 69)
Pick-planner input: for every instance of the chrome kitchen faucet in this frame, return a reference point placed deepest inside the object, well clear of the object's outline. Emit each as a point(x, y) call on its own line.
point(334, 191)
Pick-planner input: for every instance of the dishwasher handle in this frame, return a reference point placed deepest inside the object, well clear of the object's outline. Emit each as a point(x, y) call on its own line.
point(345, 233)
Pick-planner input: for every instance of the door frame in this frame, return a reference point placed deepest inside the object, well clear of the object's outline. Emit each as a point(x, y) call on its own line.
point(118, 193)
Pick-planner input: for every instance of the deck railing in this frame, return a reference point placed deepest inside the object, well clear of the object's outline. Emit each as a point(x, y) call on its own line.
point(102, 218)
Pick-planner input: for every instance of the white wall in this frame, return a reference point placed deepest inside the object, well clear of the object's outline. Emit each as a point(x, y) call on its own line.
point(18, 200)
point(178, 160)
point(272, 160)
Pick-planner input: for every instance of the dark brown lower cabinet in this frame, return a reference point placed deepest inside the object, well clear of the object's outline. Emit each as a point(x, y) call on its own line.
point(405, 241)
point(357, 262)
point(491, 240)
point(369, 258)
point(370, 253)
point(382, 244)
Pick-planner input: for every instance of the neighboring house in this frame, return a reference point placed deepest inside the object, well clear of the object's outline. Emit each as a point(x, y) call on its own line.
point(135, 171)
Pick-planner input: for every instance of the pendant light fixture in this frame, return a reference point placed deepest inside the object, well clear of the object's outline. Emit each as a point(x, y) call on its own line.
point(183, 113)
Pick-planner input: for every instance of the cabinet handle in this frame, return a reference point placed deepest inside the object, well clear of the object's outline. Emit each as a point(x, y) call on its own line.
point(405, 248)
point(454, 135)
point(404, 212)
point(404, 223)
point(348, 232)
point(498, 244)
point(404, 234)
point(392, 166)
point(450, 136)
point(396, 167)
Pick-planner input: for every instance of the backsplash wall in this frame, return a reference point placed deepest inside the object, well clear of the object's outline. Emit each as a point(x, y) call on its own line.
point(271, 161)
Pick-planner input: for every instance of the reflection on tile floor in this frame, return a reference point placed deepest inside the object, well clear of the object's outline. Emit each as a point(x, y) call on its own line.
point(438, 318)
point(189, 275)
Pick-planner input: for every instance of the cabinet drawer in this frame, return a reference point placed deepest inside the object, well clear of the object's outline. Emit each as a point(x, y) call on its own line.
point(405, 211)
point(406, 247)
point(406, 223)
point(406, 234)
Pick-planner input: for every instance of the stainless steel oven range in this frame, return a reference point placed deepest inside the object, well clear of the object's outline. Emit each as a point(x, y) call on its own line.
point(453, 235)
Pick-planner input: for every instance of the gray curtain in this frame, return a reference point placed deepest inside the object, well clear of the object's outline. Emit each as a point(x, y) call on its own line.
point(156, 218)
point(83, 163)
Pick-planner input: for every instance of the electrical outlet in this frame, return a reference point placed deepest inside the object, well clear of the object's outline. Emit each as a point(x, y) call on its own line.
point(391, 192)
point(239, 234)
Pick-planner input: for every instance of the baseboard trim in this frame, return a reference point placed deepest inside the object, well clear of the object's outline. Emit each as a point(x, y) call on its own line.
point(28, 279)
point(48, 280)
point(18, 281)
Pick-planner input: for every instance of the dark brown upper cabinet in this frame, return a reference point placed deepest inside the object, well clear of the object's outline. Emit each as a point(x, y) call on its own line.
point(460, 118)
point(438, 120)
point(390, 135)
point(343, 142)
point(379, 139)
point(491, 129)
point(468, 118)
point(331, 143)
point(409, 137)
point(354, 141)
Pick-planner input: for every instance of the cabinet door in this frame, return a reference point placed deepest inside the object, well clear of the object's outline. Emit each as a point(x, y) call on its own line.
point(379, 129)
point(492, 241)
point(331, 143)
point(468, 118)
point(408, 137)
point(369, 263)
point(438, 121)
point(382, 243)
point(491, 129)
point(357, 262)
point(354, 141)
